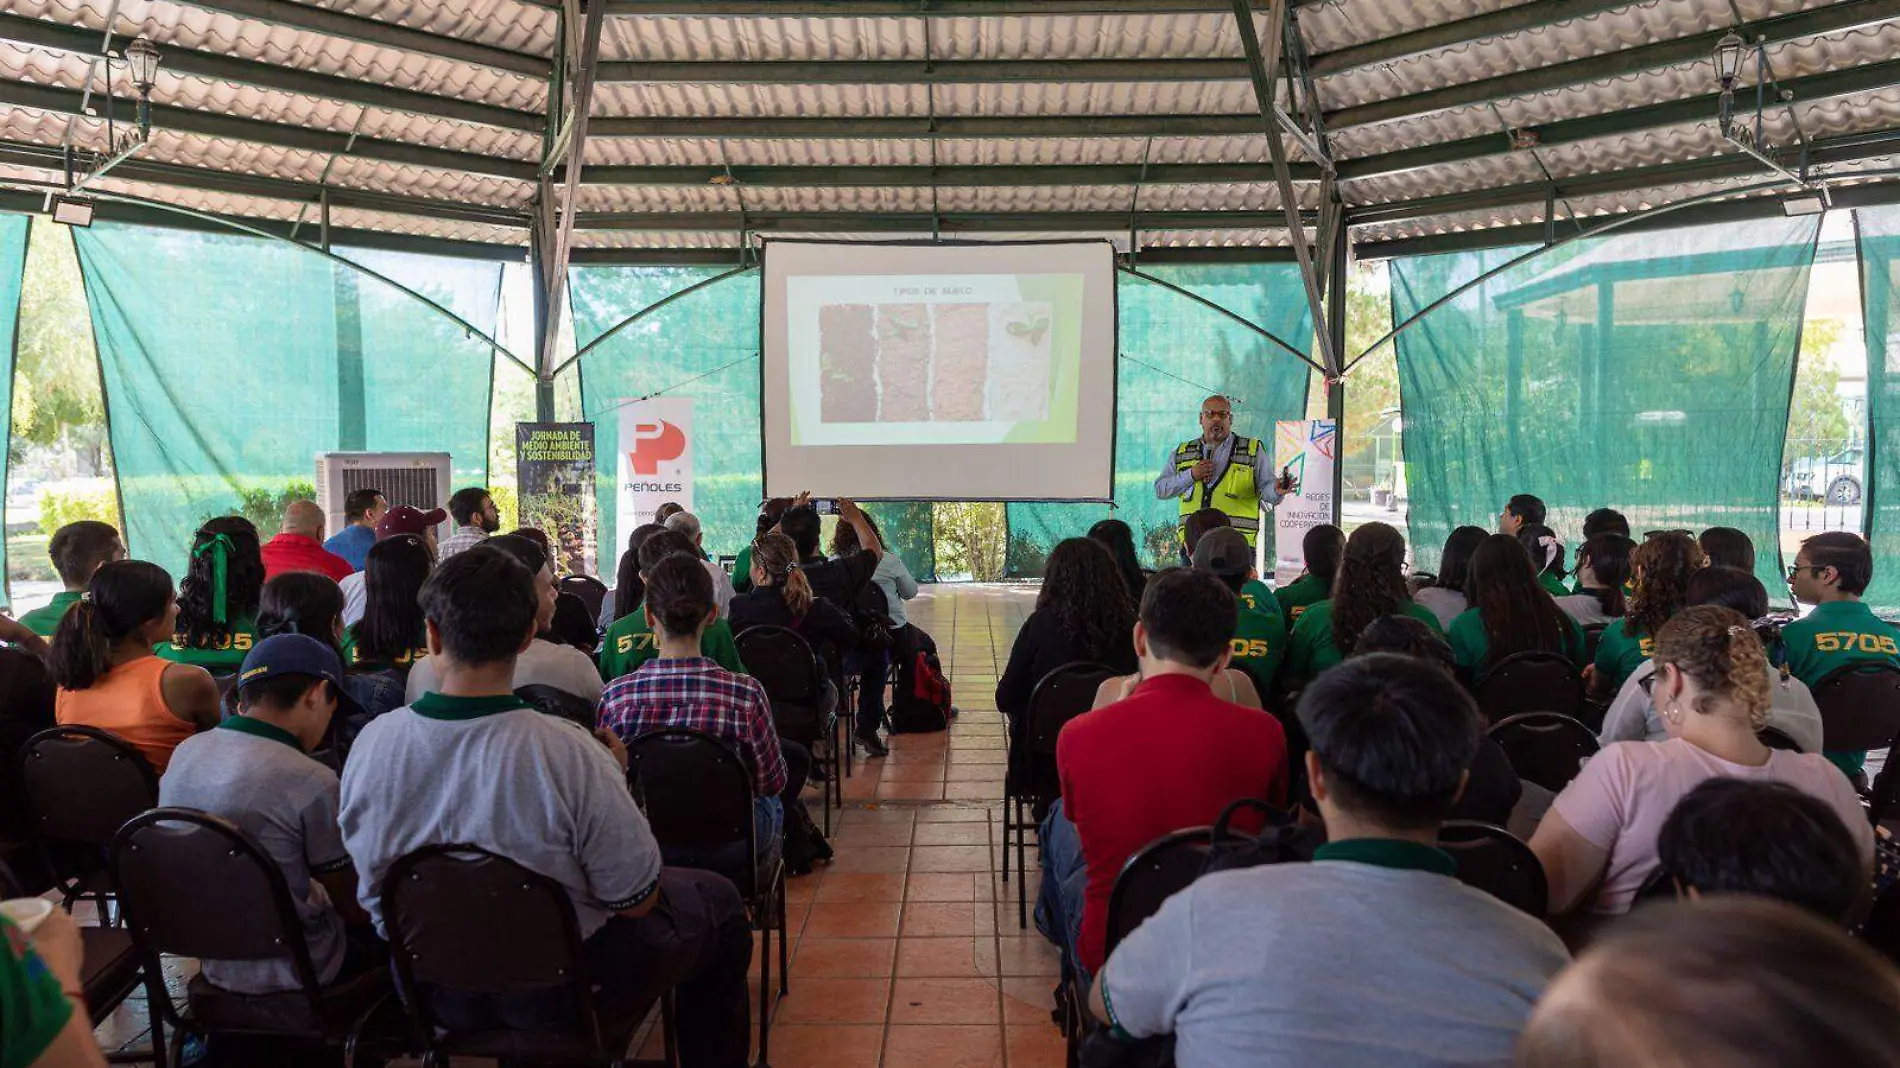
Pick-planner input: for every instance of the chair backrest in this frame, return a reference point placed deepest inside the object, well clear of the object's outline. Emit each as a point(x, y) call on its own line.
point(554, 701)
point(1493, 860)
point(783, 662)
point(696, 789)
point(1060, 696)
point(1775, 738)
point(1156, 872)
point(1860, 706)
point(1533, 681)
point(82, 784)
point(1592, 637)
point(591, 591)
point(462, 917)
point(1546, 748)
point(195, 885)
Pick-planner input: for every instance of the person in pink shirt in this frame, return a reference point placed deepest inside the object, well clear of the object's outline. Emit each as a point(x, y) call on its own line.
point(1598, 843)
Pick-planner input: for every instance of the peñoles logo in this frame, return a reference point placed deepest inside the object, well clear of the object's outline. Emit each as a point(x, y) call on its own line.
point(655, 443)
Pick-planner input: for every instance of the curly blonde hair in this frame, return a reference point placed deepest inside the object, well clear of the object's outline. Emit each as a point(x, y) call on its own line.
point(1718, 648)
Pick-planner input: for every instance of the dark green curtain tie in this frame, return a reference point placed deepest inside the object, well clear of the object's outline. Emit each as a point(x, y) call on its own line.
point(220, 548)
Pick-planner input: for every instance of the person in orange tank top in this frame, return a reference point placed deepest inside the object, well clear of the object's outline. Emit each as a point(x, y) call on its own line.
point(107, 675)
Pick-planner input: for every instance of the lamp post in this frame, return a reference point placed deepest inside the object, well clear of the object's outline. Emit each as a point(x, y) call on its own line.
point(141, 57)
point(1728, 66)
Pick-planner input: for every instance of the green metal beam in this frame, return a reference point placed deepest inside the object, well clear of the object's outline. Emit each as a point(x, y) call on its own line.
point(377, 32)
point(37, 33)
point(1835, 18)
point(921, 126)
point(839, 177)
point(919, 72)
point(815, 9)
point(923, 222)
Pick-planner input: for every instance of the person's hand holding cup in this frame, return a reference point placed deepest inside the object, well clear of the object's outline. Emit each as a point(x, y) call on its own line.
point(54, 935)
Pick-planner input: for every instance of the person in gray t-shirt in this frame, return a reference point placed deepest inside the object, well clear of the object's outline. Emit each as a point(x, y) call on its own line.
point(1373, 954)
point(255, 772)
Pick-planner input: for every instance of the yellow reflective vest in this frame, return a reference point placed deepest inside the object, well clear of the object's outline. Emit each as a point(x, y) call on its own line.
point(1232, 492)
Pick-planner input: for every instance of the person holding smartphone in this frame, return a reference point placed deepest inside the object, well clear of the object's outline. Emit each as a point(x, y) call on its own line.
point(1222, 470)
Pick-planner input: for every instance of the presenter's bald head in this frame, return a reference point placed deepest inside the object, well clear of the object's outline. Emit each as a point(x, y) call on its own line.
point(1217, 419)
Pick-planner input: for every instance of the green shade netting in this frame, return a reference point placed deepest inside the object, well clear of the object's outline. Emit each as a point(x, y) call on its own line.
point(703, 345)
point(1174, 352)
point(230, 361)
point(1650, 372)
point(1878, 231)
point(13, 231)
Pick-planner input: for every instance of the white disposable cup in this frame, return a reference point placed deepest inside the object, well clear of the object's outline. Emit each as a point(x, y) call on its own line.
point(26, 913)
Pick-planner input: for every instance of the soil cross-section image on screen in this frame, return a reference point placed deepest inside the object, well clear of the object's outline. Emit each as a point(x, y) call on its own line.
point(940, 370)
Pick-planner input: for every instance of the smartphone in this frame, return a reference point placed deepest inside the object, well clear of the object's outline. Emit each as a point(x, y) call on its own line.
point(825, 505)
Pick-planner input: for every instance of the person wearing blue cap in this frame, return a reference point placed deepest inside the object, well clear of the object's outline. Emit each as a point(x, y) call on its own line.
point(255, 770)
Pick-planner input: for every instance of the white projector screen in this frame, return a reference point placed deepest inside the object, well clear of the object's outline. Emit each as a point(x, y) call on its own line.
point(939, 372)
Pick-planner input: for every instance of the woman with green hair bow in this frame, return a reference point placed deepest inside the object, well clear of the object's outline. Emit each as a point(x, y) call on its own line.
point(217, 602)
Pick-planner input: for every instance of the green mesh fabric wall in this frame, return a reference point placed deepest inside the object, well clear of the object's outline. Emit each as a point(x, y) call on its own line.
point(1174, 353)
point(1650, 372)
point(1878, 230)
point(13, 233)
point(230, 361)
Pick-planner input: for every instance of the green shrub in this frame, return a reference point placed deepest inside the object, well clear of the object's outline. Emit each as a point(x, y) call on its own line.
point(264, 506)
point(60, 507)
point(27, 560)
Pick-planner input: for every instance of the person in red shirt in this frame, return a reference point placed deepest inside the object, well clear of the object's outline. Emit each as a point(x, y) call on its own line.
point(300, 546)
point(1169, 755)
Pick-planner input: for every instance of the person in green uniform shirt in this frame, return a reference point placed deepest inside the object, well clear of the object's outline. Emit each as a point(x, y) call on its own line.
point(1830, 572)
point(1660, 570)
point(631, 641)
point(1254, 595)
point(77, 550)
point(1546, 553)
point(1513, 614)
point(217, 602)
point(1370, 584)
point(1321, 549)
point(1259, 642)
point(392, 632)
point(43, 1019)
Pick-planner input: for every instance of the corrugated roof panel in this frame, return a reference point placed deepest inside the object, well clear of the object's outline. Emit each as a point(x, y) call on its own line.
point(658, 239)
point(1239, 196)
point(713, 101)
point(459, 187)
point(708, 152)
point(511, 24)
point(1181, 36)
point(950, 152)
point(1092, 98)
point(651, 198)
point(1331, 26)
point(897, 199)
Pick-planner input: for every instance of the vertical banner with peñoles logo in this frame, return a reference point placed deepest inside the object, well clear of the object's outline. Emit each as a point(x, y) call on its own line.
point(554, 478)
point(1306, 449)
point(656, 458)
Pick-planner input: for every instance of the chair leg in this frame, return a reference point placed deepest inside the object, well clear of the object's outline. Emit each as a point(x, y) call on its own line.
point(1006, 822)
point(765, 983)
point(669, 1035)
point(1022, 865)
point(784, 941)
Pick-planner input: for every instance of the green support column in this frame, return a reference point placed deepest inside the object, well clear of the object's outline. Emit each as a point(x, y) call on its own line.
point(352, 418)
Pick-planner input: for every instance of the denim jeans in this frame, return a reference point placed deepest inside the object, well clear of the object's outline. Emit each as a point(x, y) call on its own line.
point(1065, 878)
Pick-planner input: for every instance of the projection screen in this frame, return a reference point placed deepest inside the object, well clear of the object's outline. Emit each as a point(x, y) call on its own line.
point(939, 371)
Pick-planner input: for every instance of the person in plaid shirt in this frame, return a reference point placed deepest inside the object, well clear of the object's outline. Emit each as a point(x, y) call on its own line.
point(681, 687)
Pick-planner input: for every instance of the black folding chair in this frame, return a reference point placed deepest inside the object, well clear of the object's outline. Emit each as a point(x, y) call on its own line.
point(1881, 928)
point(81, 785)
point(1592, 637)
point(804, 699)
point(1493, 860)
point(110, 970)
point(1546, 748)
point(1860, 711)
point(591, 591)
point(1534, 681)
point(561, 704)
point(1775, 738)
point(698, 795)
point(462, 918)
point(194, 885)
point(1030, 783)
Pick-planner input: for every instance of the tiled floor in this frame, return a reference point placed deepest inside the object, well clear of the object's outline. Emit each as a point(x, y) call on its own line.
point(905, 949)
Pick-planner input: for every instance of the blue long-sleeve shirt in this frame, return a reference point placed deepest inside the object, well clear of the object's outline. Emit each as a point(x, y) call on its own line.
point(1172, 483)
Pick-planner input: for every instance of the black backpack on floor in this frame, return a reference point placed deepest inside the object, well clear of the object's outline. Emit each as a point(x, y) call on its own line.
point(921, 701)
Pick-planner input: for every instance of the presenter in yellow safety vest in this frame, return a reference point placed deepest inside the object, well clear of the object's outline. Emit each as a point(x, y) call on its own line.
point(1222, 470)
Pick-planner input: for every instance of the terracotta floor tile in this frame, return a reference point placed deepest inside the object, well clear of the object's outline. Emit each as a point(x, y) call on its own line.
point(931, 772)
point(965, 813)
point(869, 860)
point(942, 919)
point(853, 919)
point(862, 788)
point(881, 834)
point(943, 834)
point(876, 815)
point(965, 771)
point(842, 958)
point(996, 757)
point(800, 888)
point(942, 886)
point(943, 1001)
point(946, 958)
point(975, 791)
point(1028, 955)
point(826, 1045)
point(1030, 1046)
point(1028, 1001)
point(846, 886)
point(944, 1047)
point(964, 858)
point(834, 1001)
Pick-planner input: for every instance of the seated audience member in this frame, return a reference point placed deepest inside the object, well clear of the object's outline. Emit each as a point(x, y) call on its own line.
point(540, 662)
point(1446, 596)
point(1730, 983)
point(1259, 642)
point(1513, 613)
point(77, 550)
point(1082, 613)
point(1195, 752)
point(782, 596)
point(217, 602)
point(256, 771)
point(1728, 547)
point(687, 525)
point(299, 546)
point(27, 697)
point(1598, 842)
point(1830, 572)
point(1248, 967)
point(396, 522)
point(391, 634)
point(1321, 548)
point(1731, 836)
point(476, 520)
point(882, 601)
point(108, 678)
point(1660, 570)
point(1603, 572)
point(631, 642)
point(1114, 535)
point(667, 511)
point(628, 590)
point(1255, 595)
point(1371, 583)
point(304, 602)
point(1605, 521)
point(570, 624)
point(892, 577)
point(681, 687)
point(1519, 510)
point(362, 510)
point(1546, 553)
point(769, 514)
point(838, 581)
point(1791, 709)
point(1492, 792)
point(469, 762)
point(43, 1012)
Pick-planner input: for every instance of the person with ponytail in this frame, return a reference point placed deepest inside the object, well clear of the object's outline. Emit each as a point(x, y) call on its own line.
point(102, 662)
point(304, 602)
point(1546, 551)
point(1660, 568)
point(782, 596)
point(217, 602)
point(1712, 686)
point(1511, 612)
point(1371, 583)
point(631, 641)
point(1603, 573)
